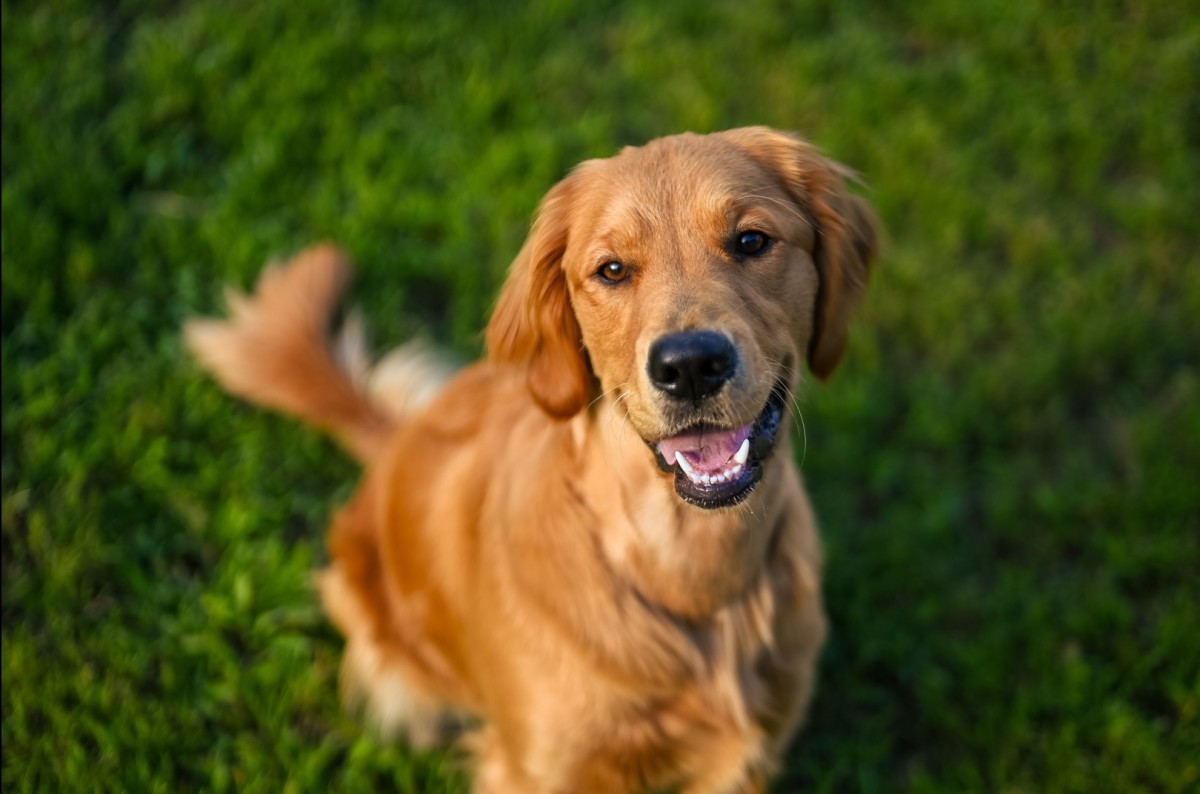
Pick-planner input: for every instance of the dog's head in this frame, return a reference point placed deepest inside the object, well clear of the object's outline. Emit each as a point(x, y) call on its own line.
point(686, 280)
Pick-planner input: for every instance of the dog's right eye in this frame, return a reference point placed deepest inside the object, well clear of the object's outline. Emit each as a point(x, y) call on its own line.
point(613, 272)
point(751, 242)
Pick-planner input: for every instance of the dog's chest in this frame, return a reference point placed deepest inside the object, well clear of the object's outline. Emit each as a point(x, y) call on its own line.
point(711, 726)
point(708, 731)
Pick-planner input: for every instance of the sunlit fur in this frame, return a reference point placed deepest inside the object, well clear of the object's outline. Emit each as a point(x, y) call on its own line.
point(513, 559)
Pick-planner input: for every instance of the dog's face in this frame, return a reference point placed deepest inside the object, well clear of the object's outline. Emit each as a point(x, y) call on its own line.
point(686, 281)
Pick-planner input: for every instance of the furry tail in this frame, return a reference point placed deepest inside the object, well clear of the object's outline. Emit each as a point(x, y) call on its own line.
point(276, 350)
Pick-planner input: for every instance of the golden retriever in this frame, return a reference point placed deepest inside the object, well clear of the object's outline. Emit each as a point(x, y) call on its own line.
point(592, 549)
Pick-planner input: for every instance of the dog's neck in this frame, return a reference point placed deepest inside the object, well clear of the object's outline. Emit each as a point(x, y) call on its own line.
point(685, 559)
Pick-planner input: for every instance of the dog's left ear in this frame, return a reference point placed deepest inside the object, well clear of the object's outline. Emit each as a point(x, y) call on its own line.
point(534, 323)
point(847, 233)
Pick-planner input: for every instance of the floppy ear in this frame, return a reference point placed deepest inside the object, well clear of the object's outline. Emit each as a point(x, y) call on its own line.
point(846, 233)
point(534, 323)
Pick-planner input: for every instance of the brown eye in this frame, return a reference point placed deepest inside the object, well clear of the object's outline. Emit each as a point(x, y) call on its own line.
point(613, 272)
point(751, 242)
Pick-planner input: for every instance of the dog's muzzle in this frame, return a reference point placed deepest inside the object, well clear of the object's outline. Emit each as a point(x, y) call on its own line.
point(714, 466)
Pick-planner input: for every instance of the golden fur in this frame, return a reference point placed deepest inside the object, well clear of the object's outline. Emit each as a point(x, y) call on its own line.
point(515, 560)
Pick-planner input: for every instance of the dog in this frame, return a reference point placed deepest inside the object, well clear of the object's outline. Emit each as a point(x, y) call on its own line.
point(591, 552)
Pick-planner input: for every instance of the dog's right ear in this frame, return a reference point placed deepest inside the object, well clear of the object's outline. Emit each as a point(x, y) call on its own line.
point(534, 323)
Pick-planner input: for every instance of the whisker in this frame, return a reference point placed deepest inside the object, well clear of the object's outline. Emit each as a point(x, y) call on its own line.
point(793, 403)
point(803, 431)
point(607, 429)
point(605, 393)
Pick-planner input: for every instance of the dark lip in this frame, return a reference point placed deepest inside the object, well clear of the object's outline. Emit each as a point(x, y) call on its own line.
point(763, 436)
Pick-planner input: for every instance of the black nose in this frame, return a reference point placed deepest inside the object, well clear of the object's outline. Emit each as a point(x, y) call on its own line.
point(693, 364)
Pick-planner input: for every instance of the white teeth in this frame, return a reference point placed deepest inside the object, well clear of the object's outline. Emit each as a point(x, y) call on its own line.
point(743, 453)
point(712, 479)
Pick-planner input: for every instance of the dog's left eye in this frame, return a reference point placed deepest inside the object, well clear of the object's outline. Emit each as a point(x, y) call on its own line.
point(613, 272)
point(751, 242)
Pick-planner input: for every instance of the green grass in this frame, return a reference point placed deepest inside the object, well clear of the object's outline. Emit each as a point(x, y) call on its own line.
point(1005, 466)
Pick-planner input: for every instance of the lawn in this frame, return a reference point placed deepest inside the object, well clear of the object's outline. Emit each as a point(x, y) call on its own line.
point(1005, 466)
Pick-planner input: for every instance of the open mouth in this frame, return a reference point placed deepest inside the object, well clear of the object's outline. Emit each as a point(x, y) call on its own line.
point(718, 467)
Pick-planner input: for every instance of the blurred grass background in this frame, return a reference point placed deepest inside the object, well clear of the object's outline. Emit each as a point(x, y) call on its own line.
point(1005, 466)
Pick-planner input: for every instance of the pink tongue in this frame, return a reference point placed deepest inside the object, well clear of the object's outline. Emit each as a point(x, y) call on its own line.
point(706, 451)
